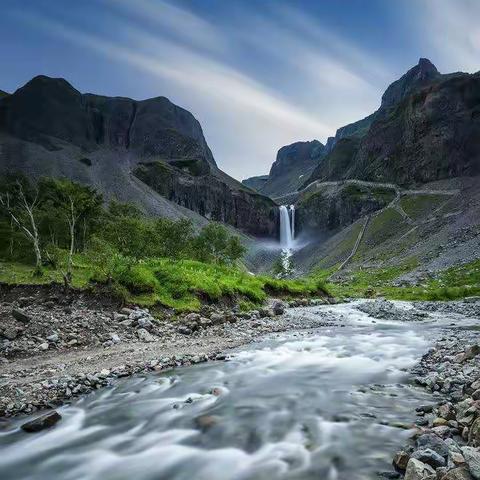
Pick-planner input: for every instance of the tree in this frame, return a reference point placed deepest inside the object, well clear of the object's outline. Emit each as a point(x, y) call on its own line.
point(20, 201)
point(77, 205)
point(215, 244)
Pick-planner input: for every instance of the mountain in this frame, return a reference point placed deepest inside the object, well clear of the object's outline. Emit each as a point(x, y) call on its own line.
point(294, 163)
point(3, 94)
point(427, 128)
point(256, 183)
point(149, 152)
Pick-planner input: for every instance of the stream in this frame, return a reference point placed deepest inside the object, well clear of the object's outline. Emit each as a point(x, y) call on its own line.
point(319, 404)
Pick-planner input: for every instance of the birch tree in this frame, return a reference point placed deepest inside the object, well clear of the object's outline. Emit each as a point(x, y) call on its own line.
point(22, 208)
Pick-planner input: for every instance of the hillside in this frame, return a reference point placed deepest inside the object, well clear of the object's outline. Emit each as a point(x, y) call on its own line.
point(151, 152)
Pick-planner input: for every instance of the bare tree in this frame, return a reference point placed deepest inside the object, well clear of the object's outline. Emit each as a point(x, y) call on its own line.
point(17, 205)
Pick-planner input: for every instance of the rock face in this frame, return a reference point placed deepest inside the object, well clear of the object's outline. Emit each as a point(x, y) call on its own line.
point(256, 183)
point(331, 207)
point(293, 165)
point(47, 127)
point(427, 128)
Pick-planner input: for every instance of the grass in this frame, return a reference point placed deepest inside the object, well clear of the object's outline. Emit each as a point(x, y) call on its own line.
point(451, 284)
point(180, 284)
point(419, 205)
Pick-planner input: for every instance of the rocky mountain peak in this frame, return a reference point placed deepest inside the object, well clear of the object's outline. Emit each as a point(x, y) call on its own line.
point(417, 77)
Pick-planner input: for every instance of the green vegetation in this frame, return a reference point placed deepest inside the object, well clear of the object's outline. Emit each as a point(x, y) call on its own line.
point(453, 283)
point(417, 206)
point(60, 231)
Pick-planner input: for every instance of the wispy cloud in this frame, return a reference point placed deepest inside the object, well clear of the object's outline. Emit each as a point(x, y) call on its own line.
point(316, 83)
point(452, 28)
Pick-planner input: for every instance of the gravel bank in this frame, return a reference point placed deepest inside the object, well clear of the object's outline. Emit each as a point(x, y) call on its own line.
point(445, 444)
point(54, 348)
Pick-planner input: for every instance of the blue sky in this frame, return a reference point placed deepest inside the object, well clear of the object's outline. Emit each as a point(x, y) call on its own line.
point(258, 74)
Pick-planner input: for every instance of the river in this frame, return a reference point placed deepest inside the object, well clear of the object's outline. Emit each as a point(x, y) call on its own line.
point(318, 404)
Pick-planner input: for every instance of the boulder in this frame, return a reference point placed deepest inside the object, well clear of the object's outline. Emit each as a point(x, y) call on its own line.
point(417, 470)
point(400, 460)
point(21, 315)
point(145, 336)
point(429, 457)
point(41, 423)
point(472, 459)
point(460, 473)
point(433, 442)
point(278, 307)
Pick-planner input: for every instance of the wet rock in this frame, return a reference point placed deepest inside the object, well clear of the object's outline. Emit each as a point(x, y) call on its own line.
point(400, 460)
point(460, 473)
point(21, 315)
point(429, 457)
point(41, 423)
point(472, 459)
point(204, 422)
point(417, 470)
point(433, 442)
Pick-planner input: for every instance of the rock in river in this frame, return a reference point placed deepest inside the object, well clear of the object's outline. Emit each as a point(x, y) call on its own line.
point(41, 423)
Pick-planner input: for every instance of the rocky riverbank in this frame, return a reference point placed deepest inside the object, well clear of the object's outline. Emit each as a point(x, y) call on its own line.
point(445, 444)
point(54, 348)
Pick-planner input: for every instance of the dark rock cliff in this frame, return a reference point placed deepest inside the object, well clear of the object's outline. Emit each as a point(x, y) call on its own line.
point(427, 128)
point(47, 127)
point(294, 164)
point(255, 183)
point(330, 207)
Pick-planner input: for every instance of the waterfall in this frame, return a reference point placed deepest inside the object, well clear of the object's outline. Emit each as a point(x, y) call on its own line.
point(292, 210)
point(287, 229)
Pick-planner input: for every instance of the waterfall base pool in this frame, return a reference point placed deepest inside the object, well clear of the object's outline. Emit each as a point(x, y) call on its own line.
point(304, 405)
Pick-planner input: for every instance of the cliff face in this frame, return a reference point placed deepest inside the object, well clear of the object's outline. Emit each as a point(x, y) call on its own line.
point(255, 183)
point(330, 207)
point(293, 165)
point(49, 128)
point(427, 128)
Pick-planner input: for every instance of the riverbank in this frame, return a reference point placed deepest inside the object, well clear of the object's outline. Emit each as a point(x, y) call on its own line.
point(445, 445)
point(55, 348)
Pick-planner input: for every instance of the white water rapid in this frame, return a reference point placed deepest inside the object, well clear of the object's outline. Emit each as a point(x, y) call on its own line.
point(287, 226)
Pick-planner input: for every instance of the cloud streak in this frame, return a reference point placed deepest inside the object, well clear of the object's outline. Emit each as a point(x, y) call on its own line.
point(324, 84)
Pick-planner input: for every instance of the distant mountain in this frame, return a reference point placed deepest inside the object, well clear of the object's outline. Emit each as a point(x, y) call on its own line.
point(3, 94)
point(150, 152)
point(293, 165)
point(427, 128)
point(256, 183)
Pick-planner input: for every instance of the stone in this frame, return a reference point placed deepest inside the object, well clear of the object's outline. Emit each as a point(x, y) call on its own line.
point(433, 442)
point(41, 423)
point(457, 458)
point(417, 470)
point(43, 346)
point(472, 459)
point(115, 338)
point(10, 333)
point(439, 422)
point(278, 307)
point(476, 394)
point(400, 460)
point(204, 422)
point(144, 323)
point(21, 316)
point(145, 336)
point(460, 473)
point(184, 330)
point(429, 457)
point(53, 338)
point(217, 318)
point(468, 354)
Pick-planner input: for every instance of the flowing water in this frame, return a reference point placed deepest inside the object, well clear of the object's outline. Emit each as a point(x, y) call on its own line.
point(300, 405)
point(286, 231)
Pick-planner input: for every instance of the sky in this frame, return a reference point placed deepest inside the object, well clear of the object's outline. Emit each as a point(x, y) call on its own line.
point(257, 74)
